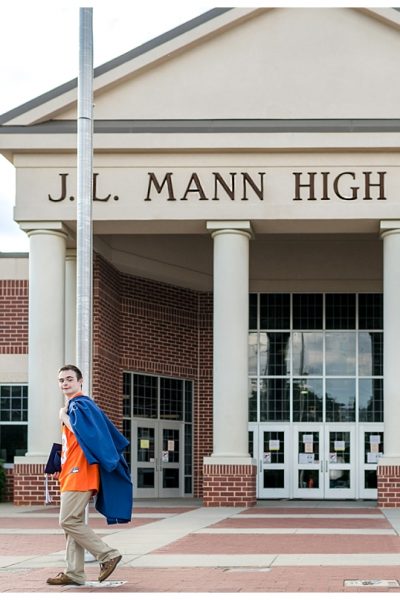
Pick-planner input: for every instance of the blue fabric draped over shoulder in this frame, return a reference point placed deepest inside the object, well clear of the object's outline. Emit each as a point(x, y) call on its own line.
point(103, 444)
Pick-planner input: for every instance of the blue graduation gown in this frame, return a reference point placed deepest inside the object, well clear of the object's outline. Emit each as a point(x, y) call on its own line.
point(103, 444)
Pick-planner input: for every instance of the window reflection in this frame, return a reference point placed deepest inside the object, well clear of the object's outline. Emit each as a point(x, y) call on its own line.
point(307, 400)
point(253, 304)
point(275, 400)
point(274, 353)
point(340, 353)
point(370, 353)
point(253, 353)
point(370, 400)
point(307, 353)
point(319, 348)
point(253, 400)
point(340, 400)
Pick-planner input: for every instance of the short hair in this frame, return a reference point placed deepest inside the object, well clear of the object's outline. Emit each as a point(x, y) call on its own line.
point(78, 372)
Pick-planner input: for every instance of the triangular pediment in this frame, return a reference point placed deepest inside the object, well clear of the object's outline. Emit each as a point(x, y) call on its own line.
point(263, 63)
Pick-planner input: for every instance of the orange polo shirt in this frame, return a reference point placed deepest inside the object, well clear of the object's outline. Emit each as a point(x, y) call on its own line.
point(77, 475)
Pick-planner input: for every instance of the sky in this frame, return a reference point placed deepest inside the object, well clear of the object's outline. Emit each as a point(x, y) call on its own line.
point(39, 50)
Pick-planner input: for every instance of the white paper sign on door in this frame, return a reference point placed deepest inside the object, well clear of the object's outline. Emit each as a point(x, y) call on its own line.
point(164, 456)
point(373, 457)
point(306, 459)
point(374, 439)
point(274, 444)
point(308, 447)
point(267, 458)
point(171, 445)
point(340, 445)
point(308, 438)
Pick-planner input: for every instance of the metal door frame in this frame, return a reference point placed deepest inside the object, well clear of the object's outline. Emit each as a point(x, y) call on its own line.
point(157, 462)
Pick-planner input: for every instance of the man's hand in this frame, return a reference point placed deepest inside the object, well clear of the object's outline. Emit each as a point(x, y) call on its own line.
point(64, 418)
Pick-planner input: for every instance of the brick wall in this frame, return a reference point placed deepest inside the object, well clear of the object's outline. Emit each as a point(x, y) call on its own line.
point(138, 325)
point(13, 317)
point(229, 485)
point(203, 415)
point(107, 341)
point(388, 486)
point(150, 327)
point(29, 485)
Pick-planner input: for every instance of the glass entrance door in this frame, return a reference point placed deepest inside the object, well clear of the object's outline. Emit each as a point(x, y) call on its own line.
point(325, 459)
point(340, 461)
point(308, 479)
point(371, 447)
point(273, 465)
point(157, 459)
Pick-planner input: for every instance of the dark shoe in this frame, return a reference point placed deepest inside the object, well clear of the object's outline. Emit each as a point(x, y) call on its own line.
point(106, 568)
point(61, 579)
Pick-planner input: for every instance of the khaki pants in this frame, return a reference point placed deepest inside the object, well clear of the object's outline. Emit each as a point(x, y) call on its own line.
point(80, 536)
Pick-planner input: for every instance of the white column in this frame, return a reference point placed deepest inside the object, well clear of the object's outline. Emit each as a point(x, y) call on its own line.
point(391, 347)
point(46, 339)
point(231, 317)
point(70, 307)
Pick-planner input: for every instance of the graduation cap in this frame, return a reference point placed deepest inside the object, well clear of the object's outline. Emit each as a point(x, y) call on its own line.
point(54, 461)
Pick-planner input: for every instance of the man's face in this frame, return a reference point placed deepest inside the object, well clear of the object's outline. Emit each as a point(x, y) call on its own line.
point(69, 383)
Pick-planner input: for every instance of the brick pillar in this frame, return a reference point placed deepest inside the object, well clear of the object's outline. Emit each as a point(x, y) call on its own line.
point(29, 485)
point(388, 486)
point(229, 485)
point(9, 486)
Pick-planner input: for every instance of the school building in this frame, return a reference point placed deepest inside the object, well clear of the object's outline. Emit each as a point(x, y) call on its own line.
point(246, 218)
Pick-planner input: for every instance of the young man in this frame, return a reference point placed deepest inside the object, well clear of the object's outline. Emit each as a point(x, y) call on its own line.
point(90, 444)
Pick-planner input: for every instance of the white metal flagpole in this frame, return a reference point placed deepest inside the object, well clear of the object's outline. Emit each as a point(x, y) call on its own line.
point(84, 286)
point(84, 198)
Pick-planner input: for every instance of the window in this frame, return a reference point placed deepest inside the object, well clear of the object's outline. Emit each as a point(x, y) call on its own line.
point(340, 353)
point(370, 311)
point(13, 421)
point(145, 396)
point(307, 311)
point(307, 400)
point(171, 399)
point(340, 311)
point(274, 311)
point(316, 358)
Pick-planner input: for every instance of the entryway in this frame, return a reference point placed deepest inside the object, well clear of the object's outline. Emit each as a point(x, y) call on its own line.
point(316, 460)
point(157, 419)
point(157, 461)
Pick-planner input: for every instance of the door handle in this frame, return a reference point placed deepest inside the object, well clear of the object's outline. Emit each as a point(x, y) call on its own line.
point(260, 465)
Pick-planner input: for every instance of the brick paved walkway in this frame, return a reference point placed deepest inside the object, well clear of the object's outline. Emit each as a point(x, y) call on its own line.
point(182, 547)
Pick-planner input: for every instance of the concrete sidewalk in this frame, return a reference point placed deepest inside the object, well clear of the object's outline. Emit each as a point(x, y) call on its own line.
point(179, 546)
